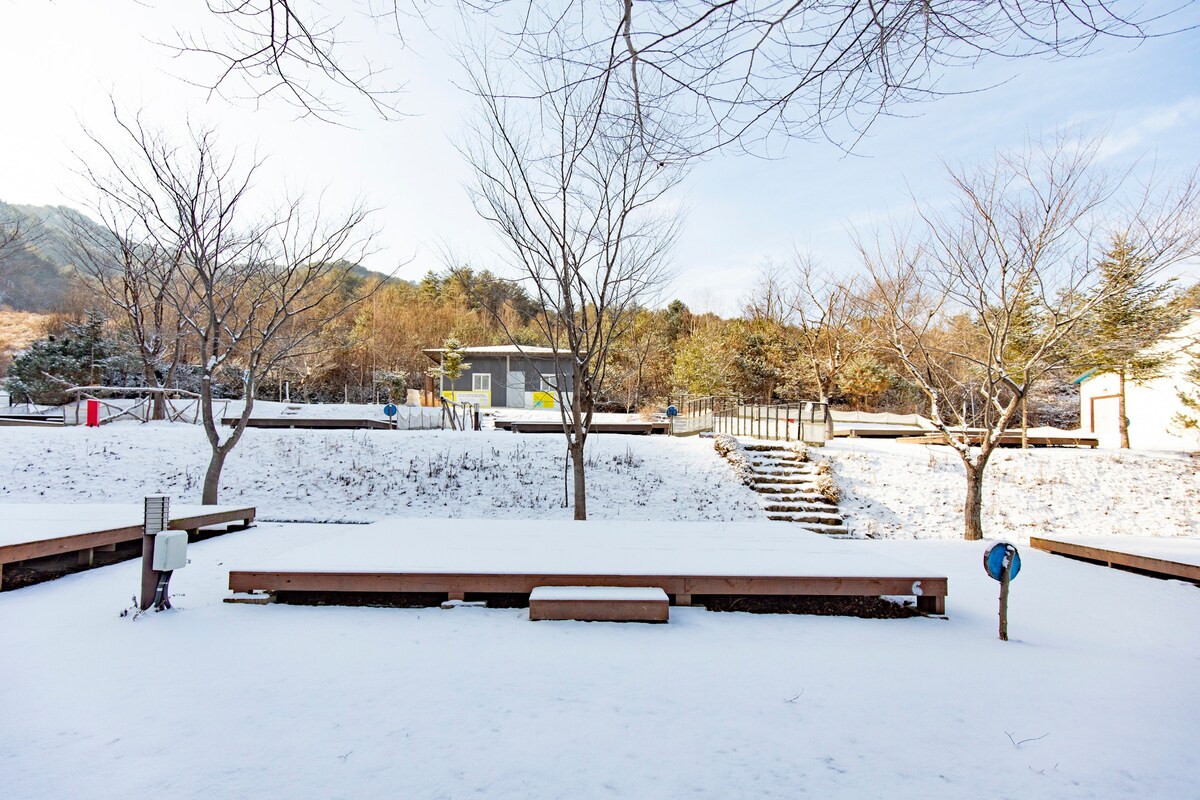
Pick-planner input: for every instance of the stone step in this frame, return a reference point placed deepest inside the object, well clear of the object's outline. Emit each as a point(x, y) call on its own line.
point(768, 448)
point(779, 463)
point(770, 504)
point(801, 516)
point(780, 458)
point(815, 527)
point(784, 477)
point(789, 492)
point(785, 473)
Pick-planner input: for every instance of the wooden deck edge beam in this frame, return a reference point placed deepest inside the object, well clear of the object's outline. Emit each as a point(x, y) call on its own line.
point(1173, 569)
point(932, 590)
point(41, 548)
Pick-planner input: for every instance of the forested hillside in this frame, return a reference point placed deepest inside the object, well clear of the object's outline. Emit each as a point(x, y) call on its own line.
point(34, 262)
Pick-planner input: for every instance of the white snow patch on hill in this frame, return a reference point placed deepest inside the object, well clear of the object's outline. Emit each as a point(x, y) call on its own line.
point(317, 475)
point(907, 491)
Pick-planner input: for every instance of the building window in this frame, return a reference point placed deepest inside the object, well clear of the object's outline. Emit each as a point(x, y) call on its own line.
point(481, 383)
point(548, 384)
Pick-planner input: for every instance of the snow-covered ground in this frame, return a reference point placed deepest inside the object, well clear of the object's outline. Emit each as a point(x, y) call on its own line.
point(916, 491)
point(315, 475)
point(1094, 696)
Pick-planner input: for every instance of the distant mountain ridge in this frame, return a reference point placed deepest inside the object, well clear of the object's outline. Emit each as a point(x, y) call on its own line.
point(38, 276)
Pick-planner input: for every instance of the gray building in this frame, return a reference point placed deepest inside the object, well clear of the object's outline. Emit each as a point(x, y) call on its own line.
point(507, 376)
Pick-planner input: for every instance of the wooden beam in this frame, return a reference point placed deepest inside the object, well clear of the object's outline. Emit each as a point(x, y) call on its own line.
point(1173, 569)
point(682, 587)
point(931, 604)
point(41, 548)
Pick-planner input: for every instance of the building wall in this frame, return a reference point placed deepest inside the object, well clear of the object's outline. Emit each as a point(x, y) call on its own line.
point(498, 368)
point(1151, 407)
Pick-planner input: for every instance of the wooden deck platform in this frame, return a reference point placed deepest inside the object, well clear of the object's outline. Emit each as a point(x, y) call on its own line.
point(1012, 439)
point(30, 421)
point(467, 559)
point(633, 427)
point(320, 423)
point(1163, 557)
point(33, 531)
point(868, 431)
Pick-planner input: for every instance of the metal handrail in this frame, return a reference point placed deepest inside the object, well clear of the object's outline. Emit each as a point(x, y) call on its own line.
point(808, 421)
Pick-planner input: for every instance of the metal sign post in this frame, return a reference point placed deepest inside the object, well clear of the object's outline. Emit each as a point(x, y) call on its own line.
point(157, 518)
point(1002, 562)
point(390, 410)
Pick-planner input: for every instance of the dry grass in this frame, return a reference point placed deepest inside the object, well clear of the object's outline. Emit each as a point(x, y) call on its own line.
point(19, 329)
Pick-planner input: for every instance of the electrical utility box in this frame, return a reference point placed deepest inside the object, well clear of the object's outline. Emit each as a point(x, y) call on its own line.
point(170, 551)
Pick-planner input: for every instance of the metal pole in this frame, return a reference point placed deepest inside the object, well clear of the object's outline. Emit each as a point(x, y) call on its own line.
point(157, 518)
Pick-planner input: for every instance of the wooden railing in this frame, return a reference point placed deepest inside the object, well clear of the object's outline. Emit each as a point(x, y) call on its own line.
point(462, 416)
point(178, 405)
point(808, 421)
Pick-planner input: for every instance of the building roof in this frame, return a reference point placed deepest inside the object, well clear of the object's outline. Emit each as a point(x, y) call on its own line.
point(498, 350)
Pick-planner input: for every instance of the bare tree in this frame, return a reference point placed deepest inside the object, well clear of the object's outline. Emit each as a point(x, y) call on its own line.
point(251, 290)
point(830, 328)
point(137, 275)
point(950, 305)
point(293, 49)
point(573, 186)
point(743, 71)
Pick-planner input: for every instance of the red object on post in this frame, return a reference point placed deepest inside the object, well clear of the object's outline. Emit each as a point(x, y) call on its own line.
point(93, 413)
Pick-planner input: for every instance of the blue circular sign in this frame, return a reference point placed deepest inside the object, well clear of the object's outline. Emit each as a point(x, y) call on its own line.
point(672, 411)
point(993, 560)
point(390, 409)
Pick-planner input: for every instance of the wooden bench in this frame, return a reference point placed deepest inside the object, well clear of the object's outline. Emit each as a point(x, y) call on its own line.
point(599, 603)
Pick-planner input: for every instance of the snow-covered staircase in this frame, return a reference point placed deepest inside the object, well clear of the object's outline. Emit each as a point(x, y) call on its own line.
point(790, 487)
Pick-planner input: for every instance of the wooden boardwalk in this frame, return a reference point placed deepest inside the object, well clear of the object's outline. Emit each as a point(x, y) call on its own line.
point(1164, 557)
point(634, 427)
point(316, 423)
point(1009, 439)
point(682, 589)
point(31, 531)
point(466, 559)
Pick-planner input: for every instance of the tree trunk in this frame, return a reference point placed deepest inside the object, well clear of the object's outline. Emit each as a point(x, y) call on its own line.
point(1122, 420)
point(1024, 422)
point(577, 468)
point(212, 477)
point(157, 401)
point(973, 506)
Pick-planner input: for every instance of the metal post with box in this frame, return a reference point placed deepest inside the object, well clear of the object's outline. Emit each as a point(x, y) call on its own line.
point(163, 552)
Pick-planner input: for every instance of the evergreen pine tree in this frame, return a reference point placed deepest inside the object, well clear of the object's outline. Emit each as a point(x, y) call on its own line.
point(48, 367)
point(863, 379)
point(1134, 314)
point(452, 364)
point(1189, 418)
point(1023, 328)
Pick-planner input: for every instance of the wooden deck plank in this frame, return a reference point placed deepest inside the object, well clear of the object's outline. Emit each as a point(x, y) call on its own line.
point(1007, 440)
point(323, 423)
point(1174, 569)
point(539, 426)
point(59, 545)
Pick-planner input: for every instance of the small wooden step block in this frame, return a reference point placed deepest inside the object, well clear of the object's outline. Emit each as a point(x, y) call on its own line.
point(250, 598)
point(599, 603)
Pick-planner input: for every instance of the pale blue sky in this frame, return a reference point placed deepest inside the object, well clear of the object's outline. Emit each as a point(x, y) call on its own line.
point(61, 59)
